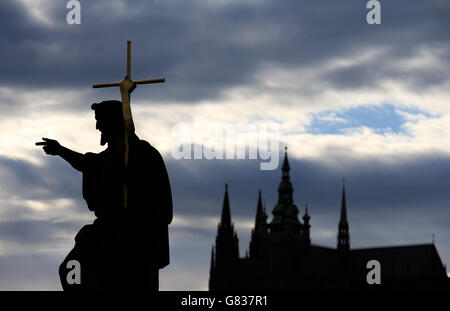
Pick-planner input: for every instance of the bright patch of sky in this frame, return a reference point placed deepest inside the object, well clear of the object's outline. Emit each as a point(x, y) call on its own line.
point(385, 118)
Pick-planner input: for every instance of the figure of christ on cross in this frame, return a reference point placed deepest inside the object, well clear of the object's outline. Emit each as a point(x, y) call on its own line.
point(128, 188)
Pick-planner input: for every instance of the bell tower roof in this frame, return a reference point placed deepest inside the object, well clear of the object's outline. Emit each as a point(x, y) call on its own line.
point(285, 211)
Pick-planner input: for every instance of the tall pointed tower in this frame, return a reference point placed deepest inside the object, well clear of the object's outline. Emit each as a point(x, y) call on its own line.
point(286, 240)
point(261, 217)
point(285, 212)
point(226, 250)
point(259, 232)
point(343, 239)
point(306, 226)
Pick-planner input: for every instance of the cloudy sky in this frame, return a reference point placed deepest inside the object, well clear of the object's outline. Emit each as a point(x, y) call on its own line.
point(368, 103)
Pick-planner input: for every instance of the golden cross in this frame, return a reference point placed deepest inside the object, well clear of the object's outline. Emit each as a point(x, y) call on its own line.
point(126, 87)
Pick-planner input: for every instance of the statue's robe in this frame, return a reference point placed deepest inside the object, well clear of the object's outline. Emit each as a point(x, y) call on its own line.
point(125, 247)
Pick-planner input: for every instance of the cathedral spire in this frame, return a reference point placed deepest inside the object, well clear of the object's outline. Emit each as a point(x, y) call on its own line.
point(261, 217)
point(225, 255)
point(225, 220)
point(343, 219)
point(286, 168)
point(306, 226)
point(285, 211)
point(306, 217)
point(343, 242)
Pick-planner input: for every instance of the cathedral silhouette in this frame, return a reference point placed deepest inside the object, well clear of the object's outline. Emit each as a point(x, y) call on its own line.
point(281, 256)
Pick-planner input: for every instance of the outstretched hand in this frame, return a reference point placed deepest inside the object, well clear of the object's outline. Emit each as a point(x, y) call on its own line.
point(51, 146)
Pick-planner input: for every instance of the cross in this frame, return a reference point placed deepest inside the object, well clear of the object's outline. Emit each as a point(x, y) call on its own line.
point(127, 86)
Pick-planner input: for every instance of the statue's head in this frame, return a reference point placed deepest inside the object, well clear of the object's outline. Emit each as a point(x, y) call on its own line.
point(109, 120)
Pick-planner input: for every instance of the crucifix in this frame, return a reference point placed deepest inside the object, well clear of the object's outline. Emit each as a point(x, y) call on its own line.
point(127, 86)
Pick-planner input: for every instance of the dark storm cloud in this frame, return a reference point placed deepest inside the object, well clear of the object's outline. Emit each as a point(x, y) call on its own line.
point(372, 184)
point(198, 185)
point(30, 272)
point(35, 232)
point(374, 72)
point(22, 183)
point(55, 179)
point(23, 173)
point(203, 49)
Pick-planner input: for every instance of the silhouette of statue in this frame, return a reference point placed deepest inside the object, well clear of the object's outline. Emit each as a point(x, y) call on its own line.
point(125, 246)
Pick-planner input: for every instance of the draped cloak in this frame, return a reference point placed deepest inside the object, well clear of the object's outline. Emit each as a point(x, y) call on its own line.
point(123, 244)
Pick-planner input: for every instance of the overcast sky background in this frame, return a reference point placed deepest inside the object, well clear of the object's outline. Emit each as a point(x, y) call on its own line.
point(366, 102)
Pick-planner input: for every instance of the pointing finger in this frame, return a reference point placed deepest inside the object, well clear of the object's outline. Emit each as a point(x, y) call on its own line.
point(41, 143)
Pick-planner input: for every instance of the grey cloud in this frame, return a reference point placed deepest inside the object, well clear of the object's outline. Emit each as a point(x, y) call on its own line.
point(373, 73)
point(202, 51)
point(55, 179)
point(34, 232)
point(198, 185)
point(372, 183)
point(30, 272)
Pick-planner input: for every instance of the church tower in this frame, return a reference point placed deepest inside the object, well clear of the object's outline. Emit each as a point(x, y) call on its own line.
point(343, 239)
point(306, 226)
point(226, 255)
point(285, 213)
point(261, 217)
point(286, 239)
point(259, 232)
